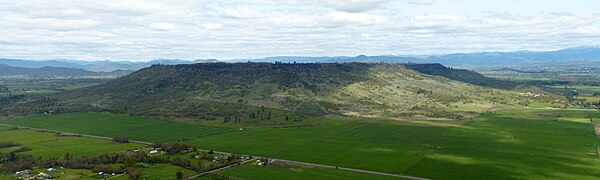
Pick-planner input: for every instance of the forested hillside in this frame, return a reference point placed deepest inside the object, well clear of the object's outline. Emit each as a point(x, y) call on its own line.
point(349, 89)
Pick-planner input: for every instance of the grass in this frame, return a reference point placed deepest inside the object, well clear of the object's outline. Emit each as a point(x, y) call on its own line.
point(81, 174)
point(510, 144)
point(523, 145)
point(249, 171)
point(49, 145)
point(113, 125)
point(160, 172)
point(360, 145)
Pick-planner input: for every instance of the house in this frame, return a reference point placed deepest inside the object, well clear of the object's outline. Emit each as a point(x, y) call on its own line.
point(51, 170)
point(153, 151)
point(43, 176)
point(24, 172)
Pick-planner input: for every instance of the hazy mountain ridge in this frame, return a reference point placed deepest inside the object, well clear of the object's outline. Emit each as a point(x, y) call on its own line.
point(580, 55)
point(6, 70)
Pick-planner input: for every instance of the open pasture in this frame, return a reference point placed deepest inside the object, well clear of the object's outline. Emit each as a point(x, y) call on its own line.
point(49, 145)
point(508, 144)
point(113, 125)
point(516, 143)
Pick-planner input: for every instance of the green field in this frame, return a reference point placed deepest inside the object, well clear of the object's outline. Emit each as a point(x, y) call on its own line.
point(49, 145)
point(112, 125)
point(160, 172)
point(360, 145)
point(517, 143)
point(81, 174)
point(250, 171)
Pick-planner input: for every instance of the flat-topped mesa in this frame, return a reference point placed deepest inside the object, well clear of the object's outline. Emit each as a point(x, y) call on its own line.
point(228, 89)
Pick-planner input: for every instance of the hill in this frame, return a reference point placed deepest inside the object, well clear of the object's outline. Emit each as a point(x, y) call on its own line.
point(462, 75)
point(6, 70)
point(238, 89)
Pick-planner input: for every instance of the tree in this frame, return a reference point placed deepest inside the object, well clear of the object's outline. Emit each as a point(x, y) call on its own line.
point(134, 174)
point(67, 156)
point(129, 162)
point(12, 156)
point(120, 139)
point(179, 175)
point(286, 117)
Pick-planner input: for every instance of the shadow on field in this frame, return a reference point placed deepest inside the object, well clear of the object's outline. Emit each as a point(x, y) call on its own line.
point(501, 146)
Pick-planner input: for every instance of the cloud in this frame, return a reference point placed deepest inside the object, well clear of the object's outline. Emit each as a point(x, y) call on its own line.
point(162, 26)
point(211, 26)
point(421, 2)
point(352, 5)
point(192, 29)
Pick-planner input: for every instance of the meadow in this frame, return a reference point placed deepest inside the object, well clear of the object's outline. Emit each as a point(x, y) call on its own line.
point(515, 143)
point(511, 144)
point(114, 125)
point(49, 145)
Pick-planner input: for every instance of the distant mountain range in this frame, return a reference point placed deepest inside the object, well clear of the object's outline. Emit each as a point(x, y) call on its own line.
point(588, 55)
point(579, 55)
point(6, 70)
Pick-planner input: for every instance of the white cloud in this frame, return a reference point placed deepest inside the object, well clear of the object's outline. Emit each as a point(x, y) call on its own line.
point(191, 29)
point(421, 2)
point(211, 26)
point(162, 26)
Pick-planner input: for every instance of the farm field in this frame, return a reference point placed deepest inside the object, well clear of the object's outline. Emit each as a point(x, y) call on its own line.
point(49, 145)
point(113, 125)
point(251, 171)
point(584, 93)
point(517, 143)
point(160, 172)
point(81, 174)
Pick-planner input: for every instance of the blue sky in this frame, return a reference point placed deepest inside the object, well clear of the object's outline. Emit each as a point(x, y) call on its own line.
point(139, 30)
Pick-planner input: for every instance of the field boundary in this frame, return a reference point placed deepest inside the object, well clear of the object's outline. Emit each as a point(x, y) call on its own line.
point(228, 153)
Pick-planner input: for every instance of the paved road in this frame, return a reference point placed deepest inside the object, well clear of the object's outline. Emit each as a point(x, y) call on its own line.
point(228, 153)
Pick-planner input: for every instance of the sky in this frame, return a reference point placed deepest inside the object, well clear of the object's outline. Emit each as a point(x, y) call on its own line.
point(140, 30)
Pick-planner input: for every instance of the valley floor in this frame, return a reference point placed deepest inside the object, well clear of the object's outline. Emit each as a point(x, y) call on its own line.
point(508, 144)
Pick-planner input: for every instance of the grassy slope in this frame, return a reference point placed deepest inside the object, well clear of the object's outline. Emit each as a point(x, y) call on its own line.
point(113, 125)
point(48, 145)
point(249, 171)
